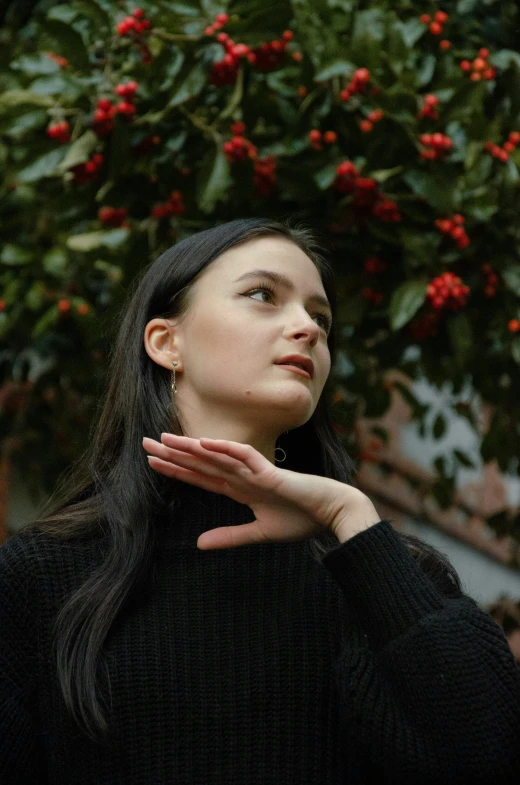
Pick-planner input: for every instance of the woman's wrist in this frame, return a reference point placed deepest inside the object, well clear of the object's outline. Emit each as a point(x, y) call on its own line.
point(356, 520)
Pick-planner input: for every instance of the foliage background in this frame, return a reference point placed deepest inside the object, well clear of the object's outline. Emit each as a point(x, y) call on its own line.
point(64, 272)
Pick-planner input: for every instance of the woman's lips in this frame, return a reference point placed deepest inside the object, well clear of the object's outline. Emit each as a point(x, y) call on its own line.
point(294, 368)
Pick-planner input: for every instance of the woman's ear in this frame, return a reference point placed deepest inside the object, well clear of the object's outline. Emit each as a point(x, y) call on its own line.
point(160, 343)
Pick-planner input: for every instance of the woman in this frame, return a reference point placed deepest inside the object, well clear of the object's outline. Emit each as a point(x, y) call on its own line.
point(195, 609)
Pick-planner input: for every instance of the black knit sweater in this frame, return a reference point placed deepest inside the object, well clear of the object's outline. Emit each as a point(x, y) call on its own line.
point(260, 666)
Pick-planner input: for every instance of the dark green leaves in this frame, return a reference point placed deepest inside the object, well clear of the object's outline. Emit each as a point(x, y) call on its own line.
point(405, 302)
point(212, 180)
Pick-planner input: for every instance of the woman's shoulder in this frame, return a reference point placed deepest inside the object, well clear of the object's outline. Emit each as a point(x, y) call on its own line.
point(31, 556)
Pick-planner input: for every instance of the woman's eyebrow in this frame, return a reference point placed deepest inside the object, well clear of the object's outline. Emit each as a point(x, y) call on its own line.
point(282, 280)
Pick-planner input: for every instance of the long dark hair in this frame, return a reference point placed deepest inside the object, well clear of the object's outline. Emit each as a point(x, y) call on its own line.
point(113, 491)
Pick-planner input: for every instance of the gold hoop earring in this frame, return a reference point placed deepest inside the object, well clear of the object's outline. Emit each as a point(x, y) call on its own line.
point(280, 460)
point(174, 386)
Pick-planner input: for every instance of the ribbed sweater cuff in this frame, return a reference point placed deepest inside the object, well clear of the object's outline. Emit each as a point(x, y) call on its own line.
point(382, 584)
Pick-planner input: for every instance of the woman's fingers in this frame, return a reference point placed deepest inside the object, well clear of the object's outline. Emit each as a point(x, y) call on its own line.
point(231, 537)
point(194, 447)
point(169, 469)
point(205, 464)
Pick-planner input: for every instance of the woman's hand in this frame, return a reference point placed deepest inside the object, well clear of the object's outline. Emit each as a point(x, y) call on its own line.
point(288, 506)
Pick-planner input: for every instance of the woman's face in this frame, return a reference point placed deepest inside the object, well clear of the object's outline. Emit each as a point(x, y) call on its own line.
point(229, 342)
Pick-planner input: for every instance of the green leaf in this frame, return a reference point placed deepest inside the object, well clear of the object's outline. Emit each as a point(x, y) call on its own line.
point(35, 64)
point(335, 68)
point(439, 427)
point(19, 97)
point(69, 43)
point(511, 276)
point(26, 121)
point(381, 175)
point(505, 58)
point(49, 318)
point(412, 30)
point(14, 255)
point(213, 180)
point(515, 349)
point(94, 12)
point(45, 166)
point(324, 177)
point(79, 151)
point(192, 85)
point(405, 302)
point(425, 70)
point(438, 191)
point(460, 330)
point(54, 262)
point(111, 238)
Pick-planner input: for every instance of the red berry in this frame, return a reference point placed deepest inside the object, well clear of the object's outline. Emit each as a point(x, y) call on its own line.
point(329, 137)
point(287, 35)
point(431, 100)
point(435, 28)
point(126, 108)
point(465, 65)
point(441, 16)
point(514, 137)
point(376, 115)
point(425, 19)
point(479, 64)
point(63, 305)
point(509, 147)
point(483, 53)
point(362, 75)
point(366, 126)
point(138, 13)
point(445, 44)
point(222, 19)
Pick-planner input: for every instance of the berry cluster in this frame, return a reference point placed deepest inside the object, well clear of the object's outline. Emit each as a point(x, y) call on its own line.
point(365, 193)
point(134, 25)
point(502, 153)
point(479, 67)
point(271, 54)
point(436, 146)
point(88, 171)
point(436, 24)
point(386, 210)
point(447, 292)
point(220, 21)
point(62, 61)
point(316, 137)
point(113, 216)
point(490, 288)
point(423, 326)
point(174, 206)
point(357, 84)
point(374, 265)
point(239, 148)
point(372, 296)
point(454, 227)
point(105, 112)
point(264, 176)
point(428, 108)
point(265, 57)
point(373, 117)
point(59, 131)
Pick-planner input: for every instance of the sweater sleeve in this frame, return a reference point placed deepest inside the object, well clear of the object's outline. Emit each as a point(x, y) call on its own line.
point(18, 663)
point(429, 684)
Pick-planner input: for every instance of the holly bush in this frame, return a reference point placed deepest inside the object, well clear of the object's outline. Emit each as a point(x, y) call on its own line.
point(393, 127)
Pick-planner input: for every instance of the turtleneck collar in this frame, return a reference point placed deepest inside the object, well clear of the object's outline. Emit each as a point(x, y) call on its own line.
point(193, 510)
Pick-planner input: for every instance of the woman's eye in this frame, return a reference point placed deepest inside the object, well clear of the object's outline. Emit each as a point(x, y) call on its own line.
point(325, 321)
